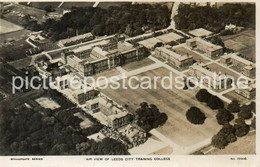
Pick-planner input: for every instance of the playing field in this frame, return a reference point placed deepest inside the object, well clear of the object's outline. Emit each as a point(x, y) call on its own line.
point(138, 64)
point(174, 103)
point(243, 42)
point(6, 26)
point(47, 102)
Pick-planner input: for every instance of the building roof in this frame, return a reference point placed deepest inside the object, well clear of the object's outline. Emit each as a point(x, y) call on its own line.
point(75, 38)
point(240, 59)
point(166, 38)
point(174, 54)
point(149, 43)
point(210, 46)
point(200, 32)
point(202, 68)
point(101, 52)
point(82, 48)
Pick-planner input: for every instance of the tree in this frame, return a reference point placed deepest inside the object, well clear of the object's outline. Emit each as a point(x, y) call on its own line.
point(225, 136)
point(215, 102)
point(48, 8)
point(219, 141)
point(241, 129)
point(203, 95)
point(253, 122)
point(229, 132)
point(224, 116)
point(245, 112)
point(149, 116)
point(234, 106)
point(195, 116)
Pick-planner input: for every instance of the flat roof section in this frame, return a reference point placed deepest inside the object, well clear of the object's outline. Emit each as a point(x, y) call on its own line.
point(200, 32)
point(166, 38)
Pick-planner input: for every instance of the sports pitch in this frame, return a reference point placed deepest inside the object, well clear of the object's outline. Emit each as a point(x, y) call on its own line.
point(6, 27)
point(174, 103)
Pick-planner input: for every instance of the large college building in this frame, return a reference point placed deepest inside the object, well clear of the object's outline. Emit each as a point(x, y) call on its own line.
point(115, 115)
point(174, 58)
point(211, 50)
point(249, 92)
point(200, 71)
point(97, 57)
point(246, 67)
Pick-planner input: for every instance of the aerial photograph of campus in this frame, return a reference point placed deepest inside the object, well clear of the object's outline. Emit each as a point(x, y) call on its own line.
point(124, 78)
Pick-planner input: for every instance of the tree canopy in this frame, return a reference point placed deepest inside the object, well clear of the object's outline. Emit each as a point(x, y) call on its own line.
point(203, 95)
point(215, 102)
point(224, 116)
point(129, 19)
point(149, 116)
point(215, 19)
point(234, 106)
point(195, 116)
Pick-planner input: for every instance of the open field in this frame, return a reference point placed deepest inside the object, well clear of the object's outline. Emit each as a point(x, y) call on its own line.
point(196, 57)
point(18, 9)
point(243, 42)
point(243, 145)
point(14, 51)
point(47, 102)
point(233, 95)
point(6, 26)
point(138, 64)
point(15, 35)
point(174, 103)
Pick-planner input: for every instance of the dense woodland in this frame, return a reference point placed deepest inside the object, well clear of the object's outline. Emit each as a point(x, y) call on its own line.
point(129, 19)
point(215, 19)
point(40, 131)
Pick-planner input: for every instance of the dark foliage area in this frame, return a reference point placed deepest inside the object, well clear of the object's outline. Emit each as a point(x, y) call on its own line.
point(246, 112)
point(215, 19)
point(253, 122)
point(40, 131)
point(234, 106)
point(225, 136)
point(214, 102)
point(241, 129)
point(195, 116)
point(224, 116)
point(149, 117)
point(129, 19)
point(203, 95)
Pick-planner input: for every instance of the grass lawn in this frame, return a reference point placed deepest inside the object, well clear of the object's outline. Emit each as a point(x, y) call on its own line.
point(243, 42)
point(243, 145)
point(174, 103)
point(138, 64)
point(6, 27)
point(181, 50)
point(14, 51)
point(15, 35)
